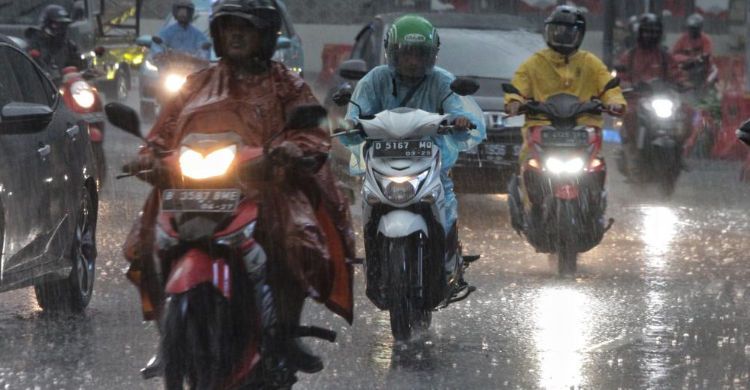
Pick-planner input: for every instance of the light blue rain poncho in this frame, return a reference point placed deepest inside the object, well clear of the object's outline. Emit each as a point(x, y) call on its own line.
point(188, 40)
point(375, 93)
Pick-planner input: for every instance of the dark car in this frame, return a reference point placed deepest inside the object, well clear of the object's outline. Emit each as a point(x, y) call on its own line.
point(487, 48)
point(48, 190)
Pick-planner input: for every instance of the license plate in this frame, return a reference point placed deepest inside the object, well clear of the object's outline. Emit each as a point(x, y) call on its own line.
point(502, 150)
point(565, 137)
point(200, 201)
point(401, 149)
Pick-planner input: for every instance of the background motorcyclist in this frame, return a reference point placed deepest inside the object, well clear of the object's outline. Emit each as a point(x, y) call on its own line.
point(50, 40)
point(694, 49)
point(646, 62)
point(412, 80)
point(304, 227)
point(182, 37)
point(562, 68)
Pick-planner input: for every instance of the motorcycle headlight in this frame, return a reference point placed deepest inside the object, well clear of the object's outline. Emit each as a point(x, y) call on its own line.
point(400, 189)
point(194, 165)
point(558, 166)
point(82, 94)
point(150, 66)
point(174, 82)
point(664, 108)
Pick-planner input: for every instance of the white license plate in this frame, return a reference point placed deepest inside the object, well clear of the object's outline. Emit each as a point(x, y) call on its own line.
point(401, 149)
point(200, 201)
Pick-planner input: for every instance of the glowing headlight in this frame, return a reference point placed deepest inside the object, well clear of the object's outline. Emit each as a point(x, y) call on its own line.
point(663, 107)
point(150, 66)
point(401, 189)
point(555, 165)
point(174, 82)
point(82, 94)
point(194, 165)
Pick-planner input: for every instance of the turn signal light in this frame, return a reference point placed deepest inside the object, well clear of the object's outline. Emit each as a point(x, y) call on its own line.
point(595, 163)
point(533, 163)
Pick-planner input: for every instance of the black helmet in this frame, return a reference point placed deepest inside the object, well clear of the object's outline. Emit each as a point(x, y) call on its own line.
point(187, 4)
point(260, 13)
point(55, 20)
point(650, 30)
point(564, 29)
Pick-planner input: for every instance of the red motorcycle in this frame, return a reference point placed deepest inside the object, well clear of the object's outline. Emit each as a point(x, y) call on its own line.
point(219, 311)
point(84, 99)
point(563, 179)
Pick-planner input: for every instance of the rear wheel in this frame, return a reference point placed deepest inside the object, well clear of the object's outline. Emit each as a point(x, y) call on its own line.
point(407, 315)
point(74, 293)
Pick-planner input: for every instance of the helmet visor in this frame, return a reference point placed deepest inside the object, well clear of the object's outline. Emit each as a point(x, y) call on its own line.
point(412, 60)
point(563, 35)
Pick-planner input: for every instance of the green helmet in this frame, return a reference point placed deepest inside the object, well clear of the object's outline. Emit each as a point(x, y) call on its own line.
point(416, 36)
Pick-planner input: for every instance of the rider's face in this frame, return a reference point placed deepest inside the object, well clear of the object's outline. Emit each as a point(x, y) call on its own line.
point(183, 15)
point(411, 64)
point(239, 38)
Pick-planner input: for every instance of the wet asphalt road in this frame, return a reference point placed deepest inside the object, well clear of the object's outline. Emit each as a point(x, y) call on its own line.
point(662, 303)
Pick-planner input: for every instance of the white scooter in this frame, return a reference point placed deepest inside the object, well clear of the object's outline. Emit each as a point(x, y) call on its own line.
point(412, 267)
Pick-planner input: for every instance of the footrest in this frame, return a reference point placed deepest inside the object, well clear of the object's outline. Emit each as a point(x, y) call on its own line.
point(461, 294)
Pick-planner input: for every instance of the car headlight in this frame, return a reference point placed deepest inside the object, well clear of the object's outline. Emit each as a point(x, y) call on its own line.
point(194, 165)
point(174, 82)
point(82, 94)
point(664, 108)
point(400, 189)
point(558, 166)
point(150, 66)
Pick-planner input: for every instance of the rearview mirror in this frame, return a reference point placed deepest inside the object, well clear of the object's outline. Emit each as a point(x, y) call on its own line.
point(124, 117)
point(509, 88)
point(343, 96)
point(353, 69)
point(144, 41)
point(157, 40)
point(283, 43)
point(21, 112)
point(614, 83)
point(305, 117)
point(464, 87)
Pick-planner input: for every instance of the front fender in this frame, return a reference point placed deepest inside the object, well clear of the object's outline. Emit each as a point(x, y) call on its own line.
point(195, 268)
point(402, 223)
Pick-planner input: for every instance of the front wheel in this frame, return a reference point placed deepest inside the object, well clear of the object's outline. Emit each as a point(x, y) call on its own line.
point(407, 314)
point(568, 227)
point(101, 162)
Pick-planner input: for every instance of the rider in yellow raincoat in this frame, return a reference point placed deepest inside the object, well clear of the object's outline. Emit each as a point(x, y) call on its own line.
point(562, 68)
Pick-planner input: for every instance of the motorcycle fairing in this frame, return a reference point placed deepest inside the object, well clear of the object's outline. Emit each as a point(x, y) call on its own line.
point(196, 267)
point(403, 123)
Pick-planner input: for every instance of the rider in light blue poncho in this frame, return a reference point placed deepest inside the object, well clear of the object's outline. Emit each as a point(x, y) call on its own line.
point(411, 49)
point(182, 36)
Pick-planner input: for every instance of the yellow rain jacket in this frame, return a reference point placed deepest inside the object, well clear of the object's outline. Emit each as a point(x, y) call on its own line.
point(547, 73)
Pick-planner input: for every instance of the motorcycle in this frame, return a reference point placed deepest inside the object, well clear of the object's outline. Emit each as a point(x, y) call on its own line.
point(659, 137)
point(411, 268)
point(563, 179)
point(83, 99)
point(218, 311)
point(174, 68)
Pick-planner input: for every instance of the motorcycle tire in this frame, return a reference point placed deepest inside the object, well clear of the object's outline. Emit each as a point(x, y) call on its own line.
point(567, 227)
point(407, 317)
point(101, 162)
point(195, 340)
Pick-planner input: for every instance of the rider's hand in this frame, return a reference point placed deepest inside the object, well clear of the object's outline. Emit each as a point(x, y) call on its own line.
point(614, 107)
point(350, 125)
point(140, 163)
point(462, 123)
point(513, 108)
